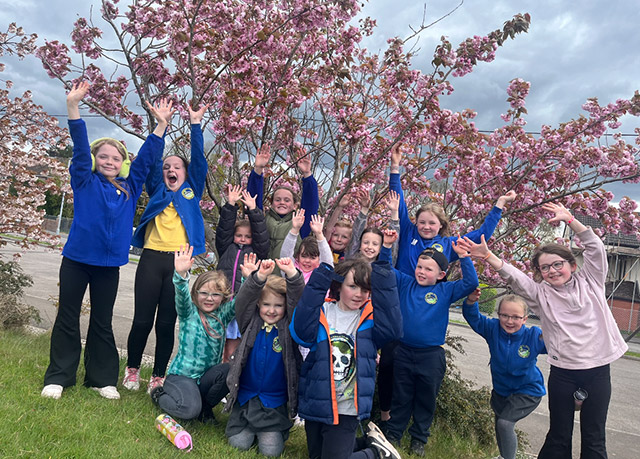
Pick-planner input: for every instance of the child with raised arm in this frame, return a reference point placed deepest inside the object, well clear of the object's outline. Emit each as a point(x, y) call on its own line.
point(419, 358)
point(235, 239)
point(339, 231)
point(431, 228)
point(518, 384)
point(580, 333)
point(284, 200)
point(106, 187)
point(313, 249)
point(171, 219)
point(343, 334)
point(203, 314)
point(263, 374)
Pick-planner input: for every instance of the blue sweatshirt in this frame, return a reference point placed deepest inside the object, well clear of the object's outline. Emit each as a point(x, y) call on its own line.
point(513, 356)
point(100, 233)
point(425, 309)
point(411, 244)
point(186, 200)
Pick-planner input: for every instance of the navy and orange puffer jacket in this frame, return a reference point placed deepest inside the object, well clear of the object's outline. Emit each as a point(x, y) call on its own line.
point(380, 322)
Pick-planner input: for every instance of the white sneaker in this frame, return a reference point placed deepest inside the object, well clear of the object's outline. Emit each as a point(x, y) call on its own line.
point(52, 391)
point(131, 378)
point(109, 392)
point(382, 446)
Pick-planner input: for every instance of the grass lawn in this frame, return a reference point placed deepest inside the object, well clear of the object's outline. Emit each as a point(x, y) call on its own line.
point(82, 424)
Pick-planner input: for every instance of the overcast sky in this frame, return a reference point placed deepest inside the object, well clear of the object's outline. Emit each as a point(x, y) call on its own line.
point(573, 51)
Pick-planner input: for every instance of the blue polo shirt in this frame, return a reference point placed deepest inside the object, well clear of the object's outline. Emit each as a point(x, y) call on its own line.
point(264, 373)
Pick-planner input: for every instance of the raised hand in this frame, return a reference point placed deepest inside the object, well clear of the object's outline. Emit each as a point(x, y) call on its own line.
point(393, 203)
point(249, 265)
point(263, 155)
point(76, 94)
point(317, 223)
point(162, 111)
point(561, 214)
point(266, 268)
point(196, 116)
point(471, 248)
point(460, 249)
point(183, 260)
point(248, 200)
point(396, 155)
point(389, 236)
point(364, 199)
point(505, 199)
point(344, 201)
point(304, 163)
point(297, 220)
point(233, 194)
point(474, 296)
point(287, 266)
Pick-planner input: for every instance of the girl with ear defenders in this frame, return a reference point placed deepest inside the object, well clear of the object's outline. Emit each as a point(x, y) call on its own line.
point(105, 191)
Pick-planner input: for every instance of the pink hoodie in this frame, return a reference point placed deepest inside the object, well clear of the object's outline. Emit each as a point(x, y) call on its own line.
point(577, 325)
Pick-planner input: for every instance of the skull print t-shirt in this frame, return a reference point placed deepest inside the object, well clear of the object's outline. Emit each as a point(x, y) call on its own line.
point(343, 326)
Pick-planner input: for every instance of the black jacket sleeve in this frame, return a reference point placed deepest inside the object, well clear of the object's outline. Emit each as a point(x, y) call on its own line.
point(226, 225)
point(259, 234)
point(387, 318)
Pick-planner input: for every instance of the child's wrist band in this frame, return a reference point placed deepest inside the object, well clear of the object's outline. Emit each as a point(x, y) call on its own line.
point(486, 257)
point(572, 218)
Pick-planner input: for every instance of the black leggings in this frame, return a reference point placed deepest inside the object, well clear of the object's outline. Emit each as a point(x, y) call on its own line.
point(153, 290)
point(593, 416)
point(385, 376)
point(100, 353)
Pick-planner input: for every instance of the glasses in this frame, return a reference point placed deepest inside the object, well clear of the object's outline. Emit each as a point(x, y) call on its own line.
point(212, 295)
point(508, 317)
point(556, 265)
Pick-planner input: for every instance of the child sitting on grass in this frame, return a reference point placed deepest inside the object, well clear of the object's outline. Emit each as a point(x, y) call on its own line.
point(203, 315)
point(263, 374)
point(518, 384)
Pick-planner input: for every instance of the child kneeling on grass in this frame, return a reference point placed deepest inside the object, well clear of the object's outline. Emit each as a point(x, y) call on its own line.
point(344, 334)
point(203, 316)
point(518, 384)
point(263, 372)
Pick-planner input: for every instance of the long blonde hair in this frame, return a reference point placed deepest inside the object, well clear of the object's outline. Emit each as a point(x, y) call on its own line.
point(95, 146)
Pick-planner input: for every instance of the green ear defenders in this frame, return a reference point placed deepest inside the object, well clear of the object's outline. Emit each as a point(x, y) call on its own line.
point(126, 164)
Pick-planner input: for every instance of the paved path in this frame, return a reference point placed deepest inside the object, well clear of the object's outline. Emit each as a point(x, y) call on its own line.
point(623, 427)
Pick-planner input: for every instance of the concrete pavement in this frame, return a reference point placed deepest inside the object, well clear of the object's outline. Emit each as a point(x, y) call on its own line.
point(623, 426)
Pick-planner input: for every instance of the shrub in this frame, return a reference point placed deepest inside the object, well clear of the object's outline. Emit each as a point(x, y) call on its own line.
point(13, 313)
point(487, 302)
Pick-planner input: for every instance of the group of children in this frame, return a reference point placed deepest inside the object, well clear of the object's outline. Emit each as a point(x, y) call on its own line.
point(279, 331)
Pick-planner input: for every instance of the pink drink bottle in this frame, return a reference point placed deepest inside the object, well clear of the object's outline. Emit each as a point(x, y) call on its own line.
point(174, 431)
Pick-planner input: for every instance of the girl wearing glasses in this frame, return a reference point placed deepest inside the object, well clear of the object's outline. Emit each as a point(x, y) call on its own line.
point(203, 314)
point(580, 333)
point(518, 384)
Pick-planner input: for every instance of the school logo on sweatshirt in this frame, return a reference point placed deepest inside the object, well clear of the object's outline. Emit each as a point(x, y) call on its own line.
point(431, 298)
point(188, 193)
point(276, 346)
point(438, 247)
point(524, 351)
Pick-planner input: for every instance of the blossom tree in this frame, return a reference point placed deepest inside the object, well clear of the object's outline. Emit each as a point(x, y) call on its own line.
point(27, 135)
point(292, 74)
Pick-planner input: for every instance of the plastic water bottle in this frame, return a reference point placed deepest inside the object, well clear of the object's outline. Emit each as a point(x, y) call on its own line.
point(176, 434)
